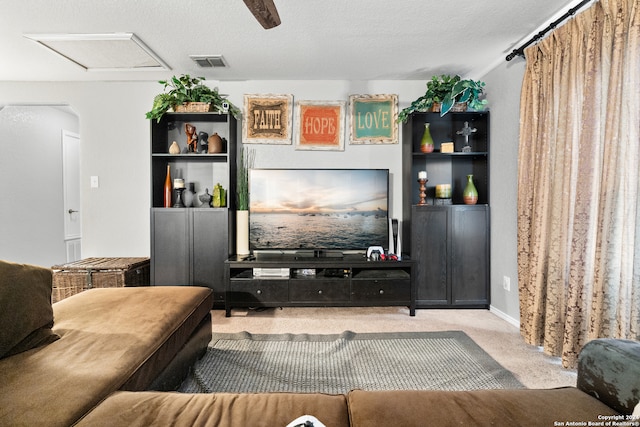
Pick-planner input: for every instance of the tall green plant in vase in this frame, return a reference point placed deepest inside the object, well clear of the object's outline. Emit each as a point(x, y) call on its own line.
point(246, 162)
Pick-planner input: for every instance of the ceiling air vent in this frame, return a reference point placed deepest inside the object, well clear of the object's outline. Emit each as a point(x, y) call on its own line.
point(209, 61)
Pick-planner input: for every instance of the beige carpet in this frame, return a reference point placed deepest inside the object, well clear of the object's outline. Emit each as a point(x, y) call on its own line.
point(496, 336)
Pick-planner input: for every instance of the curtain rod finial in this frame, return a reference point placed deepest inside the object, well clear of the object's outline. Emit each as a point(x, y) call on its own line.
point(516, 52)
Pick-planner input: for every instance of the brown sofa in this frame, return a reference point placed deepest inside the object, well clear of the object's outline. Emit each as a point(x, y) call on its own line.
point(608, 370)
point(102, 340)
point(114, 348)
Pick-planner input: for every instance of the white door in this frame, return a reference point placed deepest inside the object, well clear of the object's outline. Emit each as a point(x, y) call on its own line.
point(71, 190)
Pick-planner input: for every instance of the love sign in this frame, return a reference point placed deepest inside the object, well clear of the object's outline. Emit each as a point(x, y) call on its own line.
point(373, 119)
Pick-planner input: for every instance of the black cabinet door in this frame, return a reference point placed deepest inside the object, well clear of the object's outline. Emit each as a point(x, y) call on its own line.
point(429, 228)
point(450, 245)
point(170, 242)
point(189, 247)
point(470, 255)
point(210, 249)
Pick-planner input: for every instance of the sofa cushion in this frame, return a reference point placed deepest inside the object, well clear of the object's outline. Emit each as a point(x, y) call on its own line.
point(519, 407)
point(107, 336)
point(609, 370)
point(222, 409)
point(26, 316)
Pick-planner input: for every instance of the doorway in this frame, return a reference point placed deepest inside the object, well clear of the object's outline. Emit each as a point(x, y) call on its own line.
point(71, 195)
point(32, 210)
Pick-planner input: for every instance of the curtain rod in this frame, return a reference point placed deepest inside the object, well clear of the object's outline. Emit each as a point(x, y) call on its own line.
point(520, 51)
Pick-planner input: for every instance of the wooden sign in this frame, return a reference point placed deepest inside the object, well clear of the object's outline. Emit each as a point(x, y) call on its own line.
point(320, 125)
point(373, 119)
point(267, 119)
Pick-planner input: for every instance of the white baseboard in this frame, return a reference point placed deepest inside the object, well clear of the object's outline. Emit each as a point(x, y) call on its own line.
point(504, 316)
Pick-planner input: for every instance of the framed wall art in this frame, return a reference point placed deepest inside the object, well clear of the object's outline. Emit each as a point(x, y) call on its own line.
point(267, 119)
point(320, 125)
point(373, 119)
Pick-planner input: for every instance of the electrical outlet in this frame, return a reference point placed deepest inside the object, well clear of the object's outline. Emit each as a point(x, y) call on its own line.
point(506, 283)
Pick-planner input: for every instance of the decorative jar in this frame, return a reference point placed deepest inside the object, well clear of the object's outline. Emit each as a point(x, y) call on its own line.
point(470, 193)
point(426, 143)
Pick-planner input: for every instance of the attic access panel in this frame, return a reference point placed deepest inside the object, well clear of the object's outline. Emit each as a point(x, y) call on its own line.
point(102, 52)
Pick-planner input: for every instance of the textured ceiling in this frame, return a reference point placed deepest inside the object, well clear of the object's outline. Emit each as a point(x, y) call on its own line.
point(318, 39)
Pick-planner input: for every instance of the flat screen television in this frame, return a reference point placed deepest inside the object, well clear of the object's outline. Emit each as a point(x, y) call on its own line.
point(332, 210)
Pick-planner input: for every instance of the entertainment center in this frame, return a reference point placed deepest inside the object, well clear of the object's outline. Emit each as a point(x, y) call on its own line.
point(278, 280)
point(309, 229)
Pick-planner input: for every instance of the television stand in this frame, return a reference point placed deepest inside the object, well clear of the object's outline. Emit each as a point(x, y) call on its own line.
point(292, 281)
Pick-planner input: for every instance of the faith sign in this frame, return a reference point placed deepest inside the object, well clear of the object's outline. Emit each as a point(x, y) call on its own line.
point(267, 119)
point(373, 119)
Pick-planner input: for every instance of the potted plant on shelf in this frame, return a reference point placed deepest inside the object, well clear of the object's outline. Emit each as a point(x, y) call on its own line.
point(189, 94)
point(247, 158)
point(447, 93)
point(466, 92)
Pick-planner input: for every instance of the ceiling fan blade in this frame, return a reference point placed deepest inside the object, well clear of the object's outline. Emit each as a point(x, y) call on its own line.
point(265, 12)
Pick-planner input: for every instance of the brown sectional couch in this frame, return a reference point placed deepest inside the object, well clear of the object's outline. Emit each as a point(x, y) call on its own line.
point(356, 408)
point(107, 340)
point(117, 344)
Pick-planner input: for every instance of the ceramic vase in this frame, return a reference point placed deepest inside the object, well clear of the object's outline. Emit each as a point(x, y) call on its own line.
point(470, 194)
point(188, 197)
point(205, 199)
point(215, 143)
point(426, 143)
point(242, 232)
point(167, 188)
point(174, 148)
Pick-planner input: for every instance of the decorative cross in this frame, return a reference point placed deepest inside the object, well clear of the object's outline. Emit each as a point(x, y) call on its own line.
point(466, 131)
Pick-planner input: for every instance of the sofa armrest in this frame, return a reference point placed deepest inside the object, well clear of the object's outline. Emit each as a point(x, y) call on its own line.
point(609, 370)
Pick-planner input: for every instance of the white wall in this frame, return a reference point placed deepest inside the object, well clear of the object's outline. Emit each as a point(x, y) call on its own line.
point(365, 156)
point(503, 89)
point(115, 147)
point(31, 209)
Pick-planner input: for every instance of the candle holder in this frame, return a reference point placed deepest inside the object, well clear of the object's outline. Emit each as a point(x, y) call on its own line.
point(179, 203)
point(423, 190)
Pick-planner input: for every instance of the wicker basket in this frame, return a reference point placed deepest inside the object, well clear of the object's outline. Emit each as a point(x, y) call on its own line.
point(458, 107)
point(193, 107)
point(72, 278)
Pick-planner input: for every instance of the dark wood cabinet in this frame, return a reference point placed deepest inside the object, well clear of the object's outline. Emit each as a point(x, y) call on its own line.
point(450, 248)
point(170, 242)
point(469, 248)
point(319, 282)
point(189, 245)
point(429, 249)
point(448, 240)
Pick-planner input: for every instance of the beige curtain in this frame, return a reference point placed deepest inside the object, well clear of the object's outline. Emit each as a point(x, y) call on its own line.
point(578, 182)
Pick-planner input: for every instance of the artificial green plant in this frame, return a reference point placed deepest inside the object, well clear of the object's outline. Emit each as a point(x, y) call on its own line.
point(247, 158)
point(185, 88)
point(446, 90)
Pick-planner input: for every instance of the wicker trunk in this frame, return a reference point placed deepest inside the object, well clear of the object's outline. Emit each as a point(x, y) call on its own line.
point(74, 277)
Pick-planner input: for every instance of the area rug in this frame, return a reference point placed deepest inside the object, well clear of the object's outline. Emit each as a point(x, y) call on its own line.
point(248, 363)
